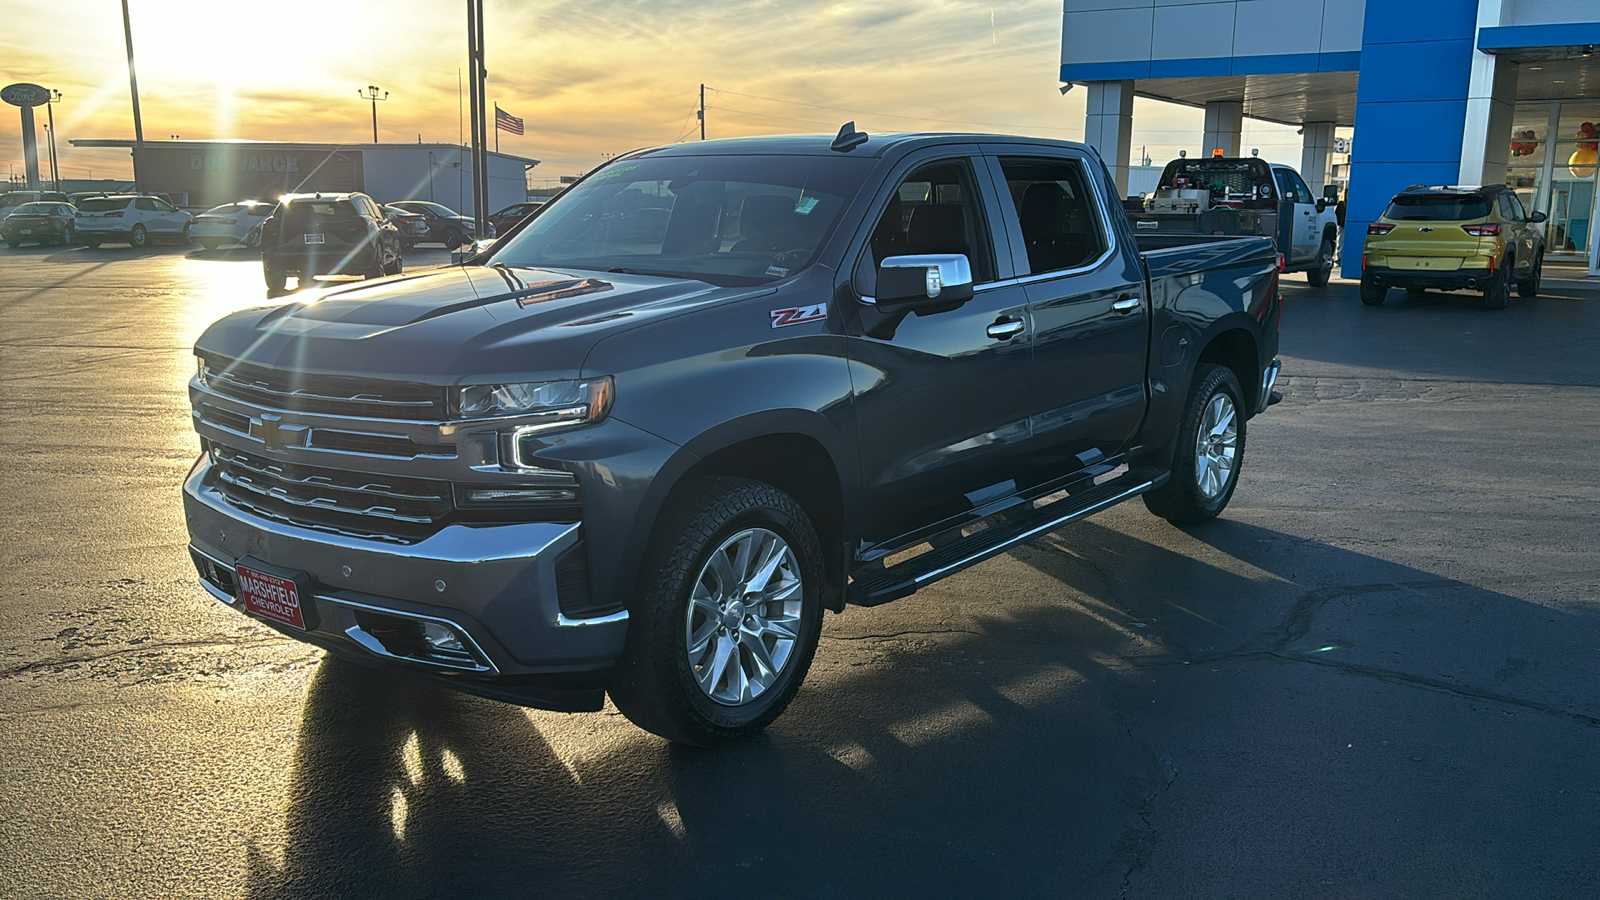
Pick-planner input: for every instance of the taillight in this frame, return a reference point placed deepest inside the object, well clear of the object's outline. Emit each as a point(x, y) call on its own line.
point(1282, 262)
point(1379, 228)
point(1483, 229)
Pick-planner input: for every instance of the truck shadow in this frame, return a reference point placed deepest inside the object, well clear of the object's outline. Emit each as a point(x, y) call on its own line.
point(986, 751)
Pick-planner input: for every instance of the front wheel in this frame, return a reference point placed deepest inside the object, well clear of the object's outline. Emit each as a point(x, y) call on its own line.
point(1318, 277)
point(1205, 469)
point(452, 239)
point(727, 620)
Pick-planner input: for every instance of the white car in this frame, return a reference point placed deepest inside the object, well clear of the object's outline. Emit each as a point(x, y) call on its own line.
point(231, 223)
point(131, 219)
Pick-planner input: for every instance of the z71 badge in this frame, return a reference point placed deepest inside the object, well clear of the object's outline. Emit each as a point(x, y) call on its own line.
point(798, 314)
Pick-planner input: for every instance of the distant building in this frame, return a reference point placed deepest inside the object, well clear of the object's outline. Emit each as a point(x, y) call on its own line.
point(208, 173)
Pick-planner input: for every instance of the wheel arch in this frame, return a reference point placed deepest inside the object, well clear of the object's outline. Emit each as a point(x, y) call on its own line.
point(1236, 349)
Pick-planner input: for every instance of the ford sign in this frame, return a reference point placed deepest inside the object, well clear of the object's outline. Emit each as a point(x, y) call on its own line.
point(24, 94)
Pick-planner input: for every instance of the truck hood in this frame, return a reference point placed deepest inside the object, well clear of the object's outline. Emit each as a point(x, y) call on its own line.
point(458, 324)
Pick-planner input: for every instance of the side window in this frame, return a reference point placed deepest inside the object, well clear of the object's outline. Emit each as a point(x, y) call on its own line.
point(145, 203)
point(933, 211)
point(1285, 185)
point(1302, 194)
point(1058, 211)
point(1511, 207)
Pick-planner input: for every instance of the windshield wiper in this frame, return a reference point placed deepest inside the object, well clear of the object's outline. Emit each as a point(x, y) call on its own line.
point(621, 270)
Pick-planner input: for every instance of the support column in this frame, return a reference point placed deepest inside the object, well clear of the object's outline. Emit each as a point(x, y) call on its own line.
point(1108, 127)
point(1491, 103)
point(1316, 147)
point(1224, 126)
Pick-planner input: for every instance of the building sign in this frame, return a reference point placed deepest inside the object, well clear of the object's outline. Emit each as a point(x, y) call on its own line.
point(244, 162)
point(24, 95)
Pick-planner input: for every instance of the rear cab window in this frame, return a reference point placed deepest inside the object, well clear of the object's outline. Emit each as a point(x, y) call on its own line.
point(1058, 211)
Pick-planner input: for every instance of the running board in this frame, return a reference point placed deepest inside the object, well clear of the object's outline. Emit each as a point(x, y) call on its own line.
point(875, 587)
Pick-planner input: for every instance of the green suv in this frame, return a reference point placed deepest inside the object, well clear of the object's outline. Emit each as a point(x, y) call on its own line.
point(1454, 239)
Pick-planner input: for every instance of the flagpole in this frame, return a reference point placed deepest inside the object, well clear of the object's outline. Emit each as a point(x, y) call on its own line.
point(497, 128)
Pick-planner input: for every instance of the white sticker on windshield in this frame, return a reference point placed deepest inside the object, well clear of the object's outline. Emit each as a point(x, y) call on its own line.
point(777, 271)
point(805, 206)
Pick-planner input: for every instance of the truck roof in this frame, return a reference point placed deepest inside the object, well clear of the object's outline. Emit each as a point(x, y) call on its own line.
point(877, 145)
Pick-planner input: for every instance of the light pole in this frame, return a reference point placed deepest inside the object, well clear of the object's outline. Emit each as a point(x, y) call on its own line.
point(50, 131)
point(133, 89)
point(371, 93)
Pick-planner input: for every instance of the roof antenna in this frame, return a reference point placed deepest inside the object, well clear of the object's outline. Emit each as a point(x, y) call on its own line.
point(849, 138)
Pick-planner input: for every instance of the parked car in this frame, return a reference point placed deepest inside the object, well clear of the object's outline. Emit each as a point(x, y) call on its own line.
point(503, 220)
point(413, 225)
point(1246, 195)
point(581, 464)
point(77, 197)
point(1453, 239)
point(12, 199)
point(231, 223)
point(328, 234)
point(132, 219)
point(445, 225)
point(38, 223)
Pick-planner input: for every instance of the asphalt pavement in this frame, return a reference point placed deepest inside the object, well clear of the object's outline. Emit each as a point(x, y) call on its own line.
point(1377, 676)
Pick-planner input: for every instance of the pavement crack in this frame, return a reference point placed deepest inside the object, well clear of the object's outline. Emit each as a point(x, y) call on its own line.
point(142, 649)
point(1139, 847)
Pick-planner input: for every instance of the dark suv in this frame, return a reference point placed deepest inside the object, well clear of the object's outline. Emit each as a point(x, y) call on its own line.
point(445, 225)
point(327, 234)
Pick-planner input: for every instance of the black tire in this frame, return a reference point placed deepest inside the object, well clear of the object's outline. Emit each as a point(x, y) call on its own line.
point(1529, 287)
point(13, 244)
point(92, 245)
point(210, 244)
point(253, 239)
point(1319, 276)
point(397, 266)
point(1196, 493)
point(1497, 292)
point(276, 280)
point(452, 239)
point(67, 234)
point(1372, 293)
point(656, 684)
point(138, 239)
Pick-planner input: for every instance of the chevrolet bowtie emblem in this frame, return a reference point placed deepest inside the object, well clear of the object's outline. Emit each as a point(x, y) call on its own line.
point(269, 430)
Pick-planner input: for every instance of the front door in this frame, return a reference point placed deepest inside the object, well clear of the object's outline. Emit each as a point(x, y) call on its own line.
point(1297, 198)
point(942, 397)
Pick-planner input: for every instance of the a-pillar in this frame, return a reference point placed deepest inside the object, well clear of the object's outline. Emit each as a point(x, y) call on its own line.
point(1316, 145)
point(1224, 125)
point(1108, 127)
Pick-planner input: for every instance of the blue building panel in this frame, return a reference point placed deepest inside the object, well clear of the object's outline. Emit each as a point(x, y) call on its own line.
point(1109, 71)
point(1190, 68)
point(1423, 131)
point(1432, 70)
point(1278, 64)
point(1418, 21)
point(1511, 37)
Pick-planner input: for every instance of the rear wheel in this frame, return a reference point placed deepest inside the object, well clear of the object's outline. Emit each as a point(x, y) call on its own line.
point(276, 279)
point(1529, 287)
point(1210, 450)
point(1318, 277)
point(139, 238)
point(727, 620)
point(92, 245)
point(1372, 293)
point(67, 233)
point(13, 244)
point(253, 239)
point(1497, 292)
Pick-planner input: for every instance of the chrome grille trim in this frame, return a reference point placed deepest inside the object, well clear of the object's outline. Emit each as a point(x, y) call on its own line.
point(290, 391)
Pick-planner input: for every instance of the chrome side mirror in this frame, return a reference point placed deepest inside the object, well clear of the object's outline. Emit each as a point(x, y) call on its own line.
point(932, 279)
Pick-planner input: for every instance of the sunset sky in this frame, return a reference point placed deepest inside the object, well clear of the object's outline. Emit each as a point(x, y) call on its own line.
point(591, 78)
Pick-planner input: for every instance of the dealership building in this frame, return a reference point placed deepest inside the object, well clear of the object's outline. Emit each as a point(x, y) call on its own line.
point(1461, 92)
point(209, 173)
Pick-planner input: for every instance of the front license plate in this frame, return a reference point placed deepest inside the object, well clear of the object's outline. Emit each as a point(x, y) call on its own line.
point(270, 596)
point(314, 239)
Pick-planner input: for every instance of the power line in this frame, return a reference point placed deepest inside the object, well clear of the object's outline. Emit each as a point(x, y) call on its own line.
point(746, 112)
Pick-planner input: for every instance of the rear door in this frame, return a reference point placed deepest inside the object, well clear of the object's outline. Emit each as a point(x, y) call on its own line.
point(1090, 316)
point(942, 397)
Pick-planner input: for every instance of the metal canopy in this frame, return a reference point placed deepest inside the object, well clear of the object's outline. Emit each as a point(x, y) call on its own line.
point(1543, 75)
point(1287, 99)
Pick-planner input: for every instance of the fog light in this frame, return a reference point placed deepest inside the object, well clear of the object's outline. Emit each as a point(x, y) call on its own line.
point(442, 637)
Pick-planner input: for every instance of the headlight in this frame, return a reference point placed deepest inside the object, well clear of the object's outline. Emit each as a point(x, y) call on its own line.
point(552, 404)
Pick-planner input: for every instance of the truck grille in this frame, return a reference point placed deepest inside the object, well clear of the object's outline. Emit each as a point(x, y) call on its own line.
point(356, 503)
point(326, 394)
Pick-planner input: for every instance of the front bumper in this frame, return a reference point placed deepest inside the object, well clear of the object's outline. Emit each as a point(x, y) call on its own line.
point(494, 584)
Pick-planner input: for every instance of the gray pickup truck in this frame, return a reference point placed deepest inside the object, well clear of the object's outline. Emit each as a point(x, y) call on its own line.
point(639, 445)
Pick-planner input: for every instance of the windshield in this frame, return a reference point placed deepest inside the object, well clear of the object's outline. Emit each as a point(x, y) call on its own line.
point(35, 209)
point(1435, 207)
point(727, 220)
point(103, 204)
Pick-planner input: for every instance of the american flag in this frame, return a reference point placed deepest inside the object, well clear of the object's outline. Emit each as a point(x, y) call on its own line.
point(506, 121)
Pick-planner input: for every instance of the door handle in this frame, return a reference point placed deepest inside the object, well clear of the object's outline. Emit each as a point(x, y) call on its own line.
point(1126, 305)
point(1005, 329)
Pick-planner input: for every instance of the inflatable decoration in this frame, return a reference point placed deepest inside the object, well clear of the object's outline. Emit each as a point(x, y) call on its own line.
point(1526, 143)
point(1586, 158)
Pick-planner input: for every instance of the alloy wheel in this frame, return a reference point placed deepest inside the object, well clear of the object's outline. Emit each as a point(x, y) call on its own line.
point(1216, 446)
point(743, 619)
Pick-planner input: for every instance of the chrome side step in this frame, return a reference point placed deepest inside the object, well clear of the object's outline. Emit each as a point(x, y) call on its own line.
point(875, 587)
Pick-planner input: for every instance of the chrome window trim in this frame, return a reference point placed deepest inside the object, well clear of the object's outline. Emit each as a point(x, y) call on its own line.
point(1104, 219)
